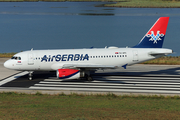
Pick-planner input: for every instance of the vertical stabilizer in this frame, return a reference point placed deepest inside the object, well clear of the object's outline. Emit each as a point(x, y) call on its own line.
point(155, 36)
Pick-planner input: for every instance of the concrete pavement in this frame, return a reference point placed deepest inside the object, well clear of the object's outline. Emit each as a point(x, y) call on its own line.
point(4, 72)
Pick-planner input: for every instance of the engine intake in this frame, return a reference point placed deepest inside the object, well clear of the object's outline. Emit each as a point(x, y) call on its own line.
point(69, 74)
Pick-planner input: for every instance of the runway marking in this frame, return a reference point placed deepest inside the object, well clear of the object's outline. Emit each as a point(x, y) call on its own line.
point(142, 84)
point(13, 78)
point(120, 86)
point(128, 83)
point(114, 83)
point(102, 79)
point(139, 77)
point(108, 90)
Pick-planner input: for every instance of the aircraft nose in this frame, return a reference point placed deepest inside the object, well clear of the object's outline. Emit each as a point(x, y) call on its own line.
point(7, 64)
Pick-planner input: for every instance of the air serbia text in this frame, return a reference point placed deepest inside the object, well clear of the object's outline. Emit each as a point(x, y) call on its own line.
point(65, 57)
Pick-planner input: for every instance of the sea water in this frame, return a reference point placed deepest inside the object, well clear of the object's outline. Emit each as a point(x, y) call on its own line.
point(71, 25)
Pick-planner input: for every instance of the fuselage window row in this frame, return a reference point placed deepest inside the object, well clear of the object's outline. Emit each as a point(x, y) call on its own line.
point(108, 56)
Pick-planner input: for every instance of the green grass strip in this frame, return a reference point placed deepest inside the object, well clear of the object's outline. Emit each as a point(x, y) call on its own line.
point(120, 3)
point(147, 4)
point(166, 60)
point(6, 55)
point(81, 107)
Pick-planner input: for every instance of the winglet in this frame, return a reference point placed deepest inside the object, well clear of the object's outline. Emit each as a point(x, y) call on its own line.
point(155, 36)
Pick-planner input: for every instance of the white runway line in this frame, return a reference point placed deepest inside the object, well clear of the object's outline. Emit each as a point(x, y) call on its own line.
point(108, 90)
point(13, 77)
point(115, 83)
point(142, 84)
point(141, 77)
point(129, 86)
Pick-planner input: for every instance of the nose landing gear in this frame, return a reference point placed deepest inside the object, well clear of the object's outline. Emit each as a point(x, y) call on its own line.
point(30, 75)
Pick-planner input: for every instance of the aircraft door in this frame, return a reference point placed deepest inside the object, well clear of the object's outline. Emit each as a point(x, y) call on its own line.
point(135, 55)
point(30, 59)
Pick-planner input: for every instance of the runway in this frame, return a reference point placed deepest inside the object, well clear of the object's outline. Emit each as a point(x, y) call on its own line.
point(156, 79)
point(133, 84)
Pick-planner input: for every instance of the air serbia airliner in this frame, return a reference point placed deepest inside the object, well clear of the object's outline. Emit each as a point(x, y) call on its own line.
point(78, 63)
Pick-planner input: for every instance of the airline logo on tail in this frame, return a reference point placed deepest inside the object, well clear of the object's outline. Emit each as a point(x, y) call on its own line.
point(155, 38)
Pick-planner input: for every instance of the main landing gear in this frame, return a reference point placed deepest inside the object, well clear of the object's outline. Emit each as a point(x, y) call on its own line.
point(88, 77)
point(86, 74)
point(30, 75)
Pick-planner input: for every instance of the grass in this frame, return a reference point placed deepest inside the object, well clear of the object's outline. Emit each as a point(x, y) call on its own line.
point(82, 107)
point(120, 3)
point(6, 55)
point(166, 60)
point(147, 4)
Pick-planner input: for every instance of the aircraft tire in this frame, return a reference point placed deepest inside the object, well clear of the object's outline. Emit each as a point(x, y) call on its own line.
point(89, 78)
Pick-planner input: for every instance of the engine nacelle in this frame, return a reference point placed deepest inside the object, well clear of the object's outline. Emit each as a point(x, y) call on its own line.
point(69, 74)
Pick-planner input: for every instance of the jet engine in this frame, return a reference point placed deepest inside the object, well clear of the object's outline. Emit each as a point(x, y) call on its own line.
point(69, 74)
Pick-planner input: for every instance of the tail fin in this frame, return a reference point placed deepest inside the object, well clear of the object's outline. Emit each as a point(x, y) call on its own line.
point(155, 36)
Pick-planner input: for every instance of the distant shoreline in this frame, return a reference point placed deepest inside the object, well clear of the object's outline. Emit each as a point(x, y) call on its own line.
point(118, 3)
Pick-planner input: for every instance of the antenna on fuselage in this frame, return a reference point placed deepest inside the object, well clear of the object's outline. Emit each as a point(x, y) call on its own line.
point(31, 49)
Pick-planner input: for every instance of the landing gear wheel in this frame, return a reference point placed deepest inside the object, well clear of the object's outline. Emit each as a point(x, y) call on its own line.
point(30, 78)
point(89, 78)
point(30, 75)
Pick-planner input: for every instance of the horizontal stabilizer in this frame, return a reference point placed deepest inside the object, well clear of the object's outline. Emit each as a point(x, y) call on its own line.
point(161, 52)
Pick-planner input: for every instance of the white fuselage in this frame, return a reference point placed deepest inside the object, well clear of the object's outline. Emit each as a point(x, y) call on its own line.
point(51, 60)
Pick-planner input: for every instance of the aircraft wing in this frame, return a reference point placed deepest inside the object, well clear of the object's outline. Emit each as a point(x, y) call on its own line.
point(89, 66)
point(85, 66)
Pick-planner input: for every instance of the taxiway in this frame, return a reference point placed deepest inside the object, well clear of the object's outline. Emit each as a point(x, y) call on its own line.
point(151, 79)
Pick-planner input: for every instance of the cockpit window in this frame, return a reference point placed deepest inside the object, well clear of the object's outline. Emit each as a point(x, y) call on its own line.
point(16, 58)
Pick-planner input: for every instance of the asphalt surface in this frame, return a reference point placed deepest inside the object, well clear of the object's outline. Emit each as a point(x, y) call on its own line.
point(136, 79)
point(4, 72)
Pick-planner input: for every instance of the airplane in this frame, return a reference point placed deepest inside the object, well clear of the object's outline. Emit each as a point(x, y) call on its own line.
point(78, 63)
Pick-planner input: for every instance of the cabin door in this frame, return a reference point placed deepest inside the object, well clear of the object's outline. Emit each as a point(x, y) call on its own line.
point(30, 59)
point(135, 55)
